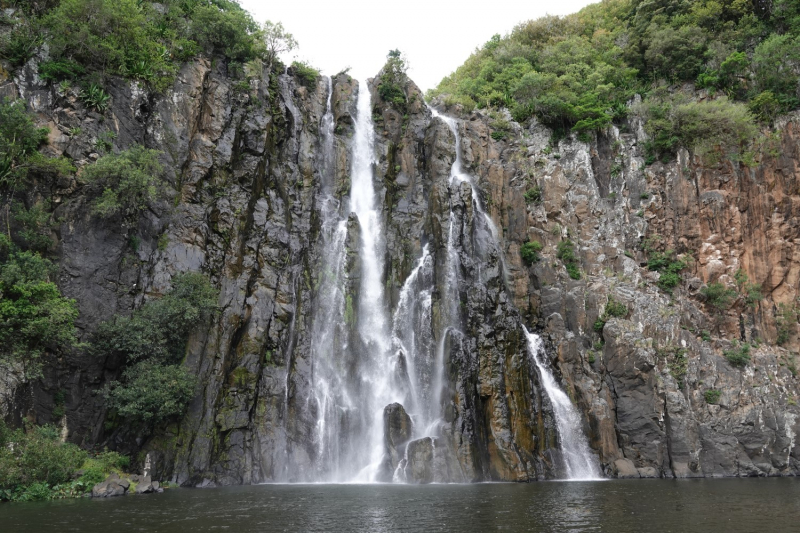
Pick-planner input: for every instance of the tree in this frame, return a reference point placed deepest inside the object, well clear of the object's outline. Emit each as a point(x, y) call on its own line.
point(277, 40)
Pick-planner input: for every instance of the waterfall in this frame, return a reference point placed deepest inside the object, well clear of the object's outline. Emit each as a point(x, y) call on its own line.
point(330, 390)
point(578, 459)
point(377, 366)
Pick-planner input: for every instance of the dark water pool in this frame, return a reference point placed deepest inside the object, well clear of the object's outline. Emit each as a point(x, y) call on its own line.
point(712, 505)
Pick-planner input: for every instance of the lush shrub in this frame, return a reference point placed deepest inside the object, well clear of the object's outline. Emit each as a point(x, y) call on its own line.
point(669, 267)
point(20, 140)
point(707, 127)
point(34, 317)
point(307, 74)
point(393, 79)
point(151, 393)
point(718, 296)
point(530, 252)
point(32, 462)
point(533, 195)
point(126, 182)
point(712, 396)
point(222, 26)
point(155, 387)
point(35, 465)
point(566, 252)
point(739, 355)
point(159, 329)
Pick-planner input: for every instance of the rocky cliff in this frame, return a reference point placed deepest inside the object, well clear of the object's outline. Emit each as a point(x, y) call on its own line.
point(243, 203)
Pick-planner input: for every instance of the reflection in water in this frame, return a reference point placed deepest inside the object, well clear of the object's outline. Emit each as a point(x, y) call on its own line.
point(731, 505)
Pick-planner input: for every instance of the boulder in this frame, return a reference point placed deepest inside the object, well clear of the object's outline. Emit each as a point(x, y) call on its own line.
point(625, 469)
point(397, 429)
point(420, 461)
point(146, 486)
point(112, 486)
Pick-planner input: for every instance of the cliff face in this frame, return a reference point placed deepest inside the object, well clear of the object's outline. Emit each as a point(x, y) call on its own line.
point(244, 202)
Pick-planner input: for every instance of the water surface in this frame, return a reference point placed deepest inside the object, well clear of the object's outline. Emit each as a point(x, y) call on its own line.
point(730, 505)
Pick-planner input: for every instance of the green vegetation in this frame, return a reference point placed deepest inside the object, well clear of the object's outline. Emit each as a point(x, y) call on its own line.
point(36, 465)
point(718, 296)
point(669, 267)
point(739, 355)
point(613, 308)
point(530, 252)
point(566, 252)
point(91, 39)
point(750, 292)
point(673, 120)
point(393, 79)
point(20, 139)
point(155, 387)
point(533, 195)
point(307, 74)
point(126, 182)
point(34, 317)
point(786, 320)
point(676, 361)
point(712, 396)
point(577, 73)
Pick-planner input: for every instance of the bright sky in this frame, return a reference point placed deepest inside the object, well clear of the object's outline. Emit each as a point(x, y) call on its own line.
point(436, 36)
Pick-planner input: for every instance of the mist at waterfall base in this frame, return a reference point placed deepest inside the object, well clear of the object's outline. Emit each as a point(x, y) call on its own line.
point(370, 362)
point(621, 506)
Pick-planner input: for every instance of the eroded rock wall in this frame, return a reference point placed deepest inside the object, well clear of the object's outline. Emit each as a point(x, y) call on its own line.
point(242, 205)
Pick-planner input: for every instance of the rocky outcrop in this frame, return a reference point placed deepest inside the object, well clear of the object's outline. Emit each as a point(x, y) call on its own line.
point(241, 203)
point(397, 431)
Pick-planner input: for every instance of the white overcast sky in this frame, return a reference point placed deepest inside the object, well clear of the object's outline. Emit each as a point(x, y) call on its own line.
point(436, 36)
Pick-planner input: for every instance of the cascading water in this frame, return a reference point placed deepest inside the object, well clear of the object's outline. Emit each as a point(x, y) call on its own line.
point(398, 360)
point(330, 341)
point(579, 463)
point(373, 323)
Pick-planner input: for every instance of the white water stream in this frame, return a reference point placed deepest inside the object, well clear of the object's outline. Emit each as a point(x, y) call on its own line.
point(579, 462)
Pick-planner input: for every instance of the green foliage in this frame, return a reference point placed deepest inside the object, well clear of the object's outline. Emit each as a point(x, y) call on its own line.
point(750, 292)
point(393, 79)
point(578, 72)
point(712, 396)
point(786, 320)
point(533, 195)
point(19, 146)
point(739, 355)
point(126, 182)
point(708, 128)
point(159, 329)
point(95, 97)
point(566, 252)
point(35, 465)
point(32, 462)
point(20, 43)
point(155, 387)
point(151, 393)
point(669, 267)
point(530, 252)
point(676, 361)
point(34, 317)
point(90, 39)
point(277, 41)
point(613, 308)
point(718, 296)
point(307, 74)
point(222, 26)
